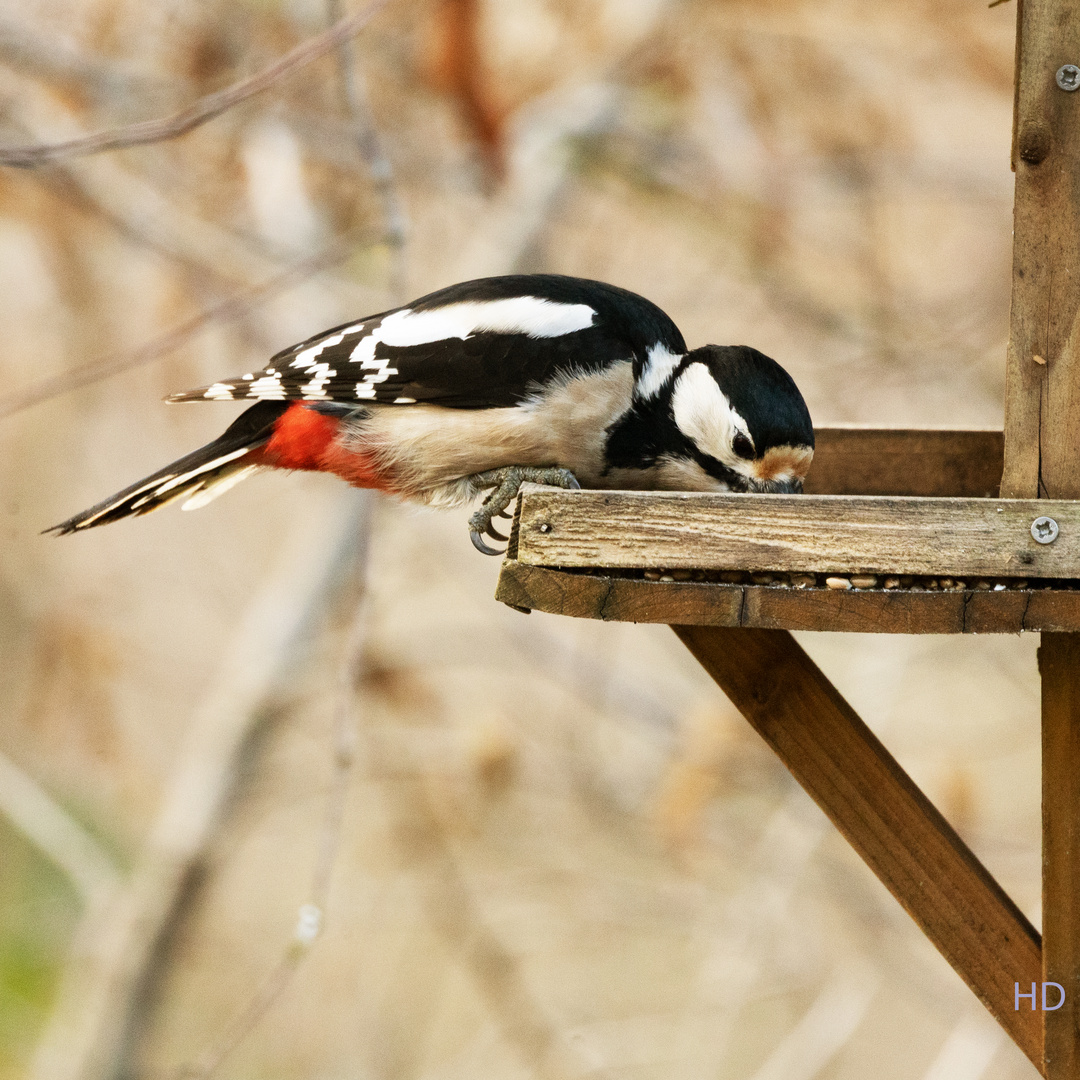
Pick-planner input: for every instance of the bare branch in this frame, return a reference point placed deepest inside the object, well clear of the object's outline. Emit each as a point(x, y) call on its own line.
point(231, 308)
point(198, 113)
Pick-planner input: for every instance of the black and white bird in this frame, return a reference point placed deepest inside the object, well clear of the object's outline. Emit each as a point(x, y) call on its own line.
point(491, 383)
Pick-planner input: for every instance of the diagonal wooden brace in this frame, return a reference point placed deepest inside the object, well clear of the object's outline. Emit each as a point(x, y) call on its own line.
point(896, 830)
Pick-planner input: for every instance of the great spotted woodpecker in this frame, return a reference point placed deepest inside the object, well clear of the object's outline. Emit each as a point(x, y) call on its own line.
point(493, 382)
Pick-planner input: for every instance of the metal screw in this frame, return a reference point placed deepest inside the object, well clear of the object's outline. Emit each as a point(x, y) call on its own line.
point(546, 528)
point(1044, 530)
point(1068, 77)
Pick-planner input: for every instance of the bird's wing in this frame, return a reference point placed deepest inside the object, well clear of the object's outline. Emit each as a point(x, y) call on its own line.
point(480, 344)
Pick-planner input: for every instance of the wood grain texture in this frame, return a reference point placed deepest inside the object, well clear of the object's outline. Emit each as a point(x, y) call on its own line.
point(1042, 400)
point(886, 461)
point(804, 533)
point(895, 829)
point(704, 603)
point(1059, 663)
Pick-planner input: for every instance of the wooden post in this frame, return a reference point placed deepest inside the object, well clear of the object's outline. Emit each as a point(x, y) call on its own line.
point(1059, 664)
point(1042, 449)
point(1042, 381)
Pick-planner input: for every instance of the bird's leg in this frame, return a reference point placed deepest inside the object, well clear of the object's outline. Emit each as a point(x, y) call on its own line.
point(505, 484)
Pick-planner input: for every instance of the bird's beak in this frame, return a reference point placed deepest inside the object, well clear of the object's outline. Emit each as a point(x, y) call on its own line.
point(778, 487)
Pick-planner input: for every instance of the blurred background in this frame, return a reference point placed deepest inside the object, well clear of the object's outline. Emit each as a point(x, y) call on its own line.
point(534, 847)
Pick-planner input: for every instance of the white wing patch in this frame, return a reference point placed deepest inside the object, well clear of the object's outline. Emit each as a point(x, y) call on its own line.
point(379, 369)
point(219, 392)
point(529, 315)
point(268, 386)
point(658, 368)
point(308, 357)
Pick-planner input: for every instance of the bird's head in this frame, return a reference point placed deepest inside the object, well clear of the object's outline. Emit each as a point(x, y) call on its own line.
point(744, 418)
point(726, 418)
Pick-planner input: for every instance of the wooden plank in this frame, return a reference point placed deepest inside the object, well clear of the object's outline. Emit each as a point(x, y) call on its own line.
point(800, 533)
point(885, 461)
point(1042, 399)
point(895, 829)
point(1059, 662)
point(600, 595)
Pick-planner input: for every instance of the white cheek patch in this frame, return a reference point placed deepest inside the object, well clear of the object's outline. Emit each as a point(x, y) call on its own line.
point(704, 414)
point(658, 368)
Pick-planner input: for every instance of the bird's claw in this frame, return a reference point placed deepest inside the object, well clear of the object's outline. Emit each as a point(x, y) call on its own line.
point(495, 535)
point(478, 543)
point(505, 484)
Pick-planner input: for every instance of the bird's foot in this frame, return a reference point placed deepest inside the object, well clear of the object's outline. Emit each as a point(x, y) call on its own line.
point(505, 484)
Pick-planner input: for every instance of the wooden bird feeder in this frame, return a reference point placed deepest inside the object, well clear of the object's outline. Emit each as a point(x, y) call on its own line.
point(998, 511)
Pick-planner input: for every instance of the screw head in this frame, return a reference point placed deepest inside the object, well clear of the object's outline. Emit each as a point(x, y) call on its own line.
point(1044, 530)
point(544, 527)
point(1068, 77)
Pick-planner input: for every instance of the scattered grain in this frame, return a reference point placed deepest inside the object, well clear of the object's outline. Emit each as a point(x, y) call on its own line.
point(864, 581)
point(838, 583)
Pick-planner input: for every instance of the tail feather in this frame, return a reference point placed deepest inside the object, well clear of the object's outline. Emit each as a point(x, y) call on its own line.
point(201, 475)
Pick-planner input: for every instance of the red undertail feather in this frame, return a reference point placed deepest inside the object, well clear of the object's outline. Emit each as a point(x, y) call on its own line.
point(306, 439)
point(300, 439)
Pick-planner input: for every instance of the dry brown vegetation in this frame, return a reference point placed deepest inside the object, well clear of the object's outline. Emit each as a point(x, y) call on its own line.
point(560, 853)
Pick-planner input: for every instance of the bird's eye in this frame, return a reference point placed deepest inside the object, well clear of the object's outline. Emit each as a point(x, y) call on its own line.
point(743, 446)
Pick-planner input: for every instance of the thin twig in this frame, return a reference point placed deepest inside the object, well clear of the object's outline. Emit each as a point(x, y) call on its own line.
point(229, 309)
point(199, 112)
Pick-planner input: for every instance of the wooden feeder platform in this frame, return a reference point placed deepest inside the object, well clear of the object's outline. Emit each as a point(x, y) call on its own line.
point(898, 532)
point(927, 550)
